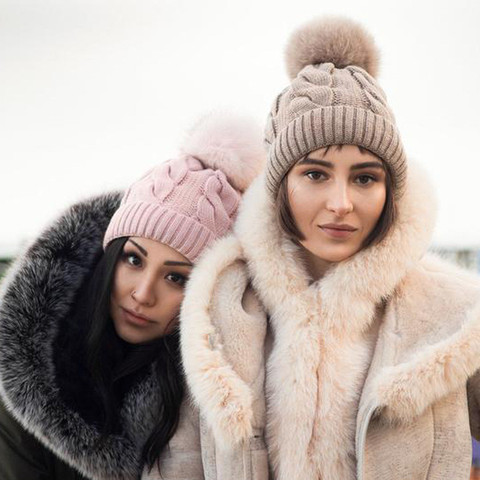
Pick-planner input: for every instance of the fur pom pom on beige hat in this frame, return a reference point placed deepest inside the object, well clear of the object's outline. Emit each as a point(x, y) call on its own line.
point(333, 99)
point(336, 40)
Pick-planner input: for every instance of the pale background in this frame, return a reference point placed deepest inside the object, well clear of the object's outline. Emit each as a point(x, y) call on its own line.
point(95, 92)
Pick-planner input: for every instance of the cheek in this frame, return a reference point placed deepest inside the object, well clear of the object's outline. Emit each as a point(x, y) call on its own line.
point(303, 203)
point(120, 283)
point(170, 312)
point(373, 206)
point(169, 307)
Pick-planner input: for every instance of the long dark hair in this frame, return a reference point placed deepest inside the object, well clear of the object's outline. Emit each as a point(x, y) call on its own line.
point(115, 365)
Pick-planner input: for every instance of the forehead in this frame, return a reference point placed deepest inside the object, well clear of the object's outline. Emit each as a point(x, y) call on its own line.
point(157, 251)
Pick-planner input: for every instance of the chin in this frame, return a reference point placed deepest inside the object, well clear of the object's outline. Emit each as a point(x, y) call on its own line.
point(132, 337)
point(335, 254)
point(129, 338)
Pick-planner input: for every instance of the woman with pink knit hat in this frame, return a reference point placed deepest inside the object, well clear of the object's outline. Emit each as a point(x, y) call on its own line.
point(90, 378)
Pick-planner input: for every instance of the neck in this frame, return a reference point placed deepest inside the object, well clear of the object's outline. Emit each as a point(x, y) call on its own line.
point(316, 266)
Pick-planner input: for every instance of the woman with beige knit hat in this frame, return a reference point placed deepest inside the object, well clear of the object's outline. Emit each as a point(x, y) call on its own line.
point(321, 331)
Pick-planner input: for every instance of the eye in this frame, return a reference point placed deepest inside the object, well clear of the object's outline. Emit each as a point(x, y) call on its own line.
point(315, 175)
point(177, 279)
point(365, 179)
point(132, 259)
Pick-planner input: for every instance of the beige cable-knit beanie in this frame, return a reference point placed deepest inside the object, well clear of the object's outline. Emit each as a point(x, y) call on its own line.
point(333, 99)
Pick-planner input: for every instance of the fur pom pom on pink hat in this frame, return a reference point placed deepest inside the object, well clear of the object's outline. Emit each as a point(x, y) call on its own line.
point(190, 201)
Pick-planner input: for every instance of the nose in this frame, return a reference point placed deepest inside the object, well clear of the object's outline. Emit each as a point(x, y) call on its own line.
point(339, 200)
point(144, 292)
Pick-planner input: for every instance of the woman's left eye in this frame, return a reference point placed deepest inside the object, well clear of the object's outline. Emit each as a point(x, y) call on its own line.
point(365, 179)
point(176, 278)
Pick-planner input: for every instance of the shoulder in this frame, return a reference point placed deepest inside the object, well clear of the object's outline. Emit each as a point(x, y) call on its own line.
point(432, 330)
point(223, 328)
point(219, 293)
point(74, 234)
point(220, 275)
point(437, 281)
point(436, 304)
point(64, 251)
point(86, 218)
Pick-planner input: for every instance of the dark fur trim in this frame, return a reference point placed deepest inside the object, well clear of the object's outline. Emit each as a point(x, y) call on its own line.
point(36, 298)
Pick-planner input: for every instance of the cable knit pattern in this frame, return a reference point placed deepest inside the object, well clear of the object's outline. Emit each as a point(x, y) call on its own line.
point(331, 103)
point(188, 202)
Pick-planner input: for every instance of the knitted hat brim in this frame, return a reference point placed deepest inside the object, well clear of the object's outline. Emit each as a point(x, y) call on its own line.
point(148, 220)
point(336, 125)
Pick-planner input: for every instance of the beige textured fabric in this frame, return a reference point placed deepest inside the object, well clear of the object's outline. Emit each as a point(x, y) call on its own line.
point(182, 459)
point(329, 105)
point(436, 447)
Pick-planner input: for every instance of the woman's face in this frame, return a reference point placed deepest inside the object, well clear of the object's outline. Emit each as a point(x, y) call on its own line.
point(147, 290)
point(336, 197)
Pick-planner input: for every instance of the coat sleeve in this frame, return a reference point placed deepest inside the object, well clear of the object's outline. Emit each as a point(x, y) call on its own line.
point(473, 395)
point(21, 454)
point(241, 323)
point(23, 457)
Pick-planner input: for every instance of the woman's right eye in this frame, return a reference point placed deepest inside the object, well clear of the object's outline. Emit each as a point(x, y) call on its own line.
point(132, 259)
point(315, 175)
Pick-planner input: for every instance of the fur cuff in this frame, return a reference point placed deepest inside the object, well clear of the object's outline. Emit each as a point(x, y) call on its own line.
point(406, 390)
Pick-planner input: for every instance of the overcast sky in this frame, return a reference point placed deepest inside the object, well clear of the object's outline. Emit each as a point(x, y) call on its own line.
point(95, 92)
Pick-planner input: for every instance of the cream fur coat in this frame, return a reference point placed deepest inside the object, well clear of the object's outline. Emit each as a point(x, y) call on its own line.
point(368, 373)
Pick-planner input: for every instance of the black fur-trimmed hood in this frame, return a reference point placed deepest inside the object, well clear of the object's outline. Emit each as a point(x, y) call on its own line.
point(36, 297)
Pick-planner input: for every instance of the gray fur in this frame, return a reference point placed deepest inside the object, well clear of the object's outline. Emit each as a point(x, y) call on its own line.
point(36, 296)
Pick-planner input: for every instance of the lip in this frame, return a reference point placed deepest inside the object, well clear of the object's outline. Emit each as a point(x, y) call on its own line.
point(340, 230)
point(338, 226)
point(136, 318)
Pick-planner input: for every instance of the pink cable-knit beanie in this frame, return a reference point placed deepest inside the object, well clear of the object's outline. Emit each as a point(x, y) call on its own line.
point(190, 201)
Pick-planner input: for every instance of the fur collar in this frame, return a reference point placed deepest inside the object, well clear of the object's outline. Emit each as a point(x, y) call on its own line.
point(36, 298)
point(364, 280)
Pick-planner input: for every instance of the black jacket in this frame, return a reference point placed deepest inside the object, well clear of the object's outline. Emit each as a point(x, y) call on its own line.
point(52, 438)
point(23, 457)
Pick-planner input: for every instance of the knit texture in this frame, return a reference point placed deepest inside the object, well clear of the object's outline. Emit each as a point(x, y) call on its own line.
point(188, 202)
point(327, 105)
point(179, 203)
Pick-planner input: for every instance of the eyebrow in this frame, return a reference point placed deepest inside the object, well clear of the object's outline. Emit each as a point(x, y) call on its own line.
point(313, 161)
point(323, 163)
point(168, 262)
point(142, 250)
point(358, 166)
point(178, 264)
